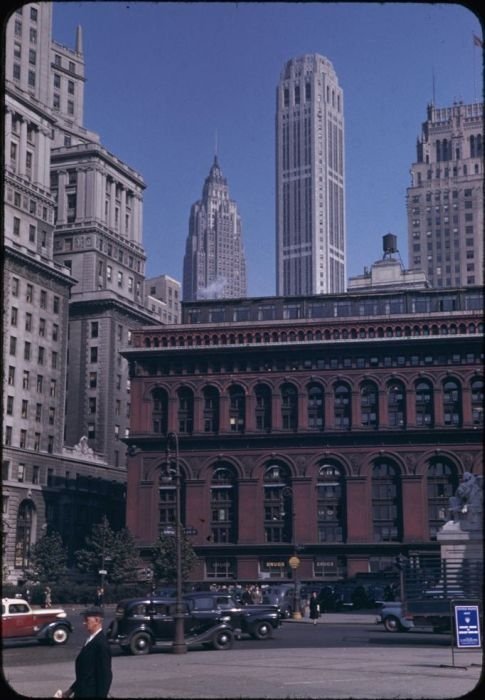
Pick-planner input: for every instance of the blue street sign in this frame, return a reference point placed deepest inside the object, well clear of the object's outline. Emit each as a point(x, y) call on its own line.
point(467, 625)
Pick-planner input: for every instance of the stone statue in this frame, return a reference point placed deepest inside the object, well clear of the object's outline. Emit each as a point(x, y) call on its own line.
point(466, 506)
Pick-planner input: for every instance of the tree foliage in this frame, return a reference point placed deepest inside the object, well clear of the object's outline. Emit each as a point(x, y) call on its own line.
point(48, 562)
point(116, 551)
point(164, 558)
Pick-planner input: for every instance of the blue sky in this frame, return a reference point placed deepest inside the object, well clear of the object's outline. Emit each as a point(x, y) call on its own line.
point(164, 78)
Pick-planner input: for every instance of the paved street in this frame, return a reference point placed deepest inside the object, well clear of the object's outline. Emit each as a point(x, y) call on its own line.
point(385, 670)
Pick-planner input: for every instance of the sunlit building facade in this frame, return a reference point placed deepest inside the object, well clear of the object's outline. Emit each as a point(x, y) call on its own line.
point(445, 199)
point(214, 261)
point(310, 179)
point(333, 426)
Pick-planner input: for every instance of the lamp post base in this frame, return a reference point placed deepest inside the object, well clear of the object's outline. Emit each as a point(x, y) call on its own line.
point(179, 648)
point(296, 615)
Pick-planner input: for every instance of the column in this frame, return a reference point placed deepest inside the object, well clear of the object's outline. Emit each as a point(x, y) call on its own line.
point(81, 195)
point(275, 410)
point(250, 512)
point(329, 413)
point(224, 426)
point(438, 406)
point(414, 509)
point(302, 411)
point(383, 420)
point(198, 414)
point(22, 146)
point(123, 230)
point(112, 205)
point(61, 199)
point(359, 510)
point(355, 418)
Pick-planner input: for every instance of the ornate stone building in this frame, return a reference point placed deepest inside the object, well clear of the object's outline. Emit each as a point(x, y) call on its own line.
point(334, 426)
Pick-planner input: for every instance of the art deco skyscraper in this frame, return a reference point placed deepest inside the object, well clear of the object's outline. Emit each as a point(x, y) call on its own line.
point(214, 261)
point(310, 179)
point(445, 200)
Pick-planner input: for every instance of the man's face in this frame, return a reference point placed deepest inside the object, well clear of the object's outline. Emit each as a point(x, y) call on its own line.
point(92, 624)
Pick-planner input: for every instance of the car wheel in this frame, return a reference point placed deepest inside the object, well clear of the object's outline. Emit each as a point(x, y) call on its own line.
point(224, 639)
point(60, 635)
point(392, 624)
point(141, 643)
point(262, 630)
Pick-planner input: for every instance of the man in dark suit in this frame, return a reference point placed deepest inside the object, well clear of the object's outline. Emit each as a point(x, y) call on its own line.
point(93, 663)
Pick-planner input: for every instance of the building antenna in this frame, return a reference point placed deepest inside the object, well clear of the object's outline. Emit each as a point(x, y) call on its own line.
point(433, 87)
point(215, 144)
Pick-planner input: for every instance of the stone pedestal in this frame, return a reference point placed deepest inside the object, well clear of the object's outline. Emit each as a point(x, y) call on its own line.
point(458, 543)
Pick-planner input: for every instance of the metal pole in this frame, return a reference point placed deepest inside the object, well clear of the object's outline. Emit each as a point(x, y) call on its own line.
point(179, 646)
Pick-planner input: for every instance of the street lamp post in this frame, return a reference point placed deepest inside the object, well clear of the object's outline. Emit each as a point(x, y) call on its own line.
point(178, 646)
point(294, 560)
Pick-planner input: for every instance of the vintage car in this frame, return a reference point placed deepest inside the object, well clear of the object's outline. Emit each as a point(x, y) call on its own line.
point(142, 624)
point(21, 622)
point(258, 621)
point(391, 616)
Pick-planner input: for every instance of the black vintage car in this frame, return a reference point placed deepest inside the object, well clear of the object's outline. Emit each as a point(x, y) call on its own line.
point(258, 621)
point(142, 624)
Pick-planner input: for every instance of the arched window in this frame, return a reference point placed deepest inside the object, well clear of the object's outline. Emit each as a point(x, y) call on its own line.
point(24, 534)
point(237, 409)
point(185, 410)
point(477, 400)
point(386, 502)
point(342, 407)
point(452, 409)
point(223, 505)
point(442, 482)
point(289, 407)
point(369, 405)
point(159, 411)
point(211, 410)
point(424, 404)
point(278, 504)
point(330, 504)
point(262, 394)
point(396, 405)
point(315, 407)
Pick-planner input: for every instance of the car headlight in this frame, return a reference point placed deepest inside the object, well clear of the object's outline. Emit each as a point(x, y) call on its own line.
point(226, 619)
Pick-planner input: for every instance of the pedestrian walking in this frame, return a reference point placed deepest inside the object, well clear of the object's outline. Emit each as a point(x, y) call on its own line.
point(314, 607)
point(47, 597)
point(99, 597)
point(93, 663)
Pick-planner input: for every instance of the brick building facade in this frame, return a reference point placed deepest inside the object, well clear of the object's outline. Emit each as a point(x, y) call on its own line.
point(335, 426)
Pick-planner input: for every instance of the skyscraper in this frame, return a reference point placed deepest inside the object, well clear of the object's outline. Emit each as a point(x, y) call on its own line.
point(310, 179)
point(214, 261)
point(445, 200)
point(72, 289)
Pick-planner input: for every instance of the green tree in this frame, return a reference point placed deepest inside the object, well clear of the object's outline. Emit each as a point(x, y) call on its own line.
point(164, 558)
point(116, 550)
point(48, 560)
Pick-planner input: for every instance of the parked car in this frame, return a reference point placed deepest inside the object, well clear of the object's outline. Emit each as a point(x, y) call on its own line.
point(258, 621)
point(391, 616)
point(141, 624)
point(22, 622)
point(282, 595)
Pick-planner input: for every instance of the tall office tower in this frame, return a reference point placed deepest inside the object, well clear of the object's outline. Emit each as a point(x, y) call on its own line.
point(72, 289)
point(98, 237)
point(445, 200)
point(310, 179)
point(35, 287)
point(214, 261)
